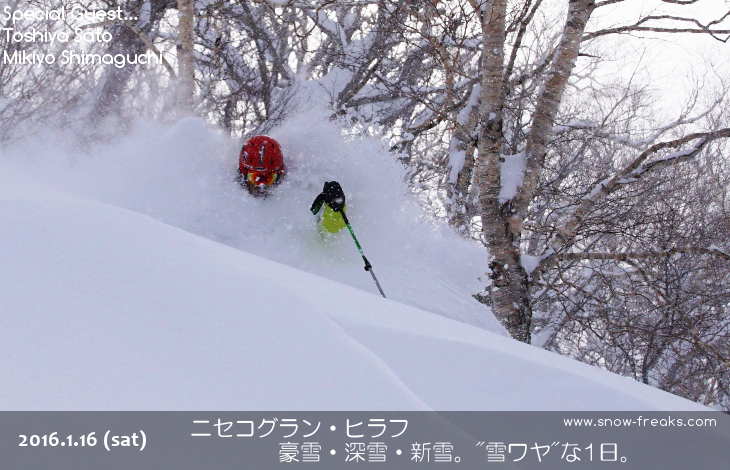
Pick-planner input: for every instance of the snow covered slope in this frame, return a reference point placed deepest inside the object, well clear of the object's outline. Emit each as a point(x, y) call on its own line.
point(183, 175)
point(105, 308)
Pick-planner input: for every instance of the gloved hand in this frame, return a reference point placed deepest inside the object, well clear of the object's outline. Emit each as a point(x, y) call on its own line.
point(332, 195)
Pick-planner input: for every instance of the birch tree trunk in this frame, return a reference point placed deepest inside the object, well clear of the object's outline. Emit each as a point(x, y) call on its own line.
point(579, 11)
point(185, 56)
point(509, 289)
point(502, 222)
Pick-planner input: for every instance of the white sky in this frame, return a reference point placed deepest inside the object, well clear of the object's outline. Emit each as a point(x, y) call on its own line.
point(669, 61)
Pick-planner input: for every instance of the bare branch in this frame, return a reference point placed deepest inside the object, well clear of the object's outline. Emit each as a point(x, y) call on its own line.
point(640, 26)
point(631, 173)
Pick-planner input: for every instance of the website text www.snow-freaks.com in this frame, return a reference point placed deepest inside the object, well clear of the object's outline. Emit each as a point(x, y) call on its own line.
point(640, 421)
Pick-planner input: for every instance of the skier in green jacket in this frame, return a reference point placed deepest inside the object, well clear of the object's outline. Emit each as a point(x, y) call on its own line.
point(334, 219)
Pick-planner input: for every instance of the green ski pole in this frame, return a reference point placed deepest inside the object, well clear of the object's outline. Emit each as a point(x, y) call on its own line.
point(368, 266)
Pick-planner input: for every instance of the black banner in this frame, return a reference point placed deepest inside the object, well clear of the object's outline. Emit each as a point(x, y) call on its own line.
point(213, 440)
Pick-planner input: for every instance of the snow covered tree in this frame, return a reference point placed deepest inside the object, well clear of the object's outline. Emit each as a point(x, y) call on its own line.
point(260, 56)
point(129, 38)
point(34, 86)
point(583, 196)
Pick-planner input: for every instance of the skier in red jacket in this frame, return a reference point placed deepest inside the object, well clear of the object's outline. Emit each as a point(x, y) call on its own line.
point(260, 164)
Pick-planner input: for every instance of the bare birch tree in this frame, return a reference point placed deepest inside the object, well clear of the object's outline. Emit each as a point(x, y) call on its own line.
point(571, 196)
